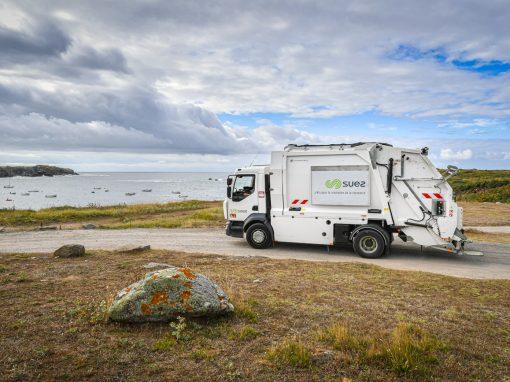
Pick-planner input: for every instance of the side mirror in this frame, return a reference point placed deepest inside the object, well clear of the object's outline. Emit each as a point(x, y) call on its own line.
point(229, 192)
point(229, 181)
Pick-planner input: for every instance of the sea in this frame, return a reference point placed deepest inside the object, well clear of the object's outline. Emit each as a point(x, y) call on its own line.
point(110, 188)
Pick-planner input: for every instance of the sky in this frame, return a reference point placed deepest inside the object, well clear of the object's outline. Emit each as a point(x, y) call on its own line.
point(215, 85)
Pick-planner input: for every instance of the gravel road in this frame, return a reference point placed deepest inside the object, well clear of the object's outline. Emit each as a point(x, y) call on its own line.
point(494, 265)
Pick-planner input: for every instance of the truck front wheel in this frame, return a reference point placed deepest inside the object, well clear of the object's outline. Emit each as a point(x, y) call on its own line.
point(369, 244)
point(258, 236)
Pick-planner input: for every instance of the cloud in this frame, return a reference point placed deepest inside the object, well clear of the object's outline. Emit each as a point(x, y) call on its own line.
point(42, 39)
point(108, 59)
point(449, 154)
point(153, 78)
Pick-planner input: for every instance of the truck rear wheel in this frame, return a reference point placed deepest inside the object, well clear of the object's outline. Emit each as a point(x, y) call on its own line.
point(369, 244)
point(258, 236)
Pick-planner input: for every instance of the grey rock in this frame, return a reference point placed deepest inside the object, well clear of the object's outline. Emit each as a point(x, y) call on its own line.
point(70, 250)
point(2, 229)
point(134, 249)
point(89, 226)
point(168, 293)
point(153, 265)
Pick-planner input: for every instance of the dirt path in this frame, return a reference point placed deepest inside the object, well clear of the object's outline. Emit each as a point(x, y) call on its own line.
point(495, 264)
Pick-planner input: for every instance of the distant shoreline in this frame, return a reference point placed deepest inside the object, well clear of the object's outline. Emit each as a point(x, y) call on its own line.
point(34, 171)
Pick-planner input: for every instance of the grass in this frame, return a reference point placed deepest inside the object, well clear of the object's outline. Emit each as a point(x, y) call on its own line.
point(290, 353)
point(192, 213)
point(485, 214)
point(482, 185)
point(313, 321)
point(475, 235)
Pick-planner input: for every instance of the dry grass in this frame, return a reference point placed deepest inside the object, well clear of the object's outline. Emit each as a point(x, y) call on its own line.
point(192, 213)
point(474, 235)
point(485, 214)
point(303, 321)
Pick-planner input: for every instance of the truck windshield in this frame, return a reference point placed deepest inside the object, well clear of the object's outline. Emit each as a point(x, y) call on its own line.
point(244, 186)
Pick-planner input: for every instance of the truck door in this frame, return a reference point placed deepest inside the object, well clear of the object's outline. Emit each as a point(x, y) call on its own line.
point(244, 197)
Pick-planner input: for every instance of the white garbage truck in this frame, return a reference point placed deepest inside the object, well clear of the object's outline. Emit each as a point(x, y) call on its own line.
point(360, 194)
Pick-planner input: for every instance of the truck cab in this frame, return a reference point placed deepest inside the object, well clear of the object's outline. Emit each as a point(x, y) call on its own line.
point(248, 203)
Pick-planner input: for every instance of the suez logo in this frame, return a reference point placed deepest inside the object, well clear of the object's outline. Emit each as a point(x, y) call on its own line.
point(337, 183)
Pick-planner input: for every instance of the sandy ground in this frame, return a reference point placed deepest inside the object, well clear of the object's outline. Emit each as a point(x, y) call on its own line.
point(494, 265)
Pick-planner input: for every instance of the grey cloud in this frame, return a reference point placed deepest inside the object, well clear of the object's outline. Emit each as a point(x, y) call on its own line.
point(132, 119)
point(44, 39)
point(107, 59)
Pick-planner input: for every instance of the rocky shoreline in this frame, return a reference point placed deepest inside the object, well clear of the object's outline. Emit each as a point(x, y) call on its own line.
point(34, 171)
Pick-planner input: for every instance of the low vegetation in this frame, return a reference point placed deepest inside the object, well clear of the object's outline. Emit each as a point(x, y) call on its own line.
point(192, 213)
point(299, 321)
point(482, 185)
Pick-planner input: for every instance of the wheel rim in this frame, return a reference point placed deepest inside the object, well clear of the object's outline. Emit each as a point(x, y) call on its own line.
point(368, 244)
point(258, 236)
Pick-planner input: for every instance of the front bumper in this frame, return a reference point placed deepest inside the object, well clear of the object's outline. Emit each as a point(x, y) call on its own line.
point(235, 228)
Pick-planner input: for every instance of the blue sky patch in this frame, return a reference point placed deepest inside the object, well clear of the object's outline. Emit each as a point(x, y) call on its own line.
point(412, 53)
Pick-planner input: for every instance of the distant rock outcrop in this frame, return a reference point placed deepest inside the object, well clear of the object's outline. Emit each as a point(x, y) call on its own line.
point(39, 170)
point(168, 293)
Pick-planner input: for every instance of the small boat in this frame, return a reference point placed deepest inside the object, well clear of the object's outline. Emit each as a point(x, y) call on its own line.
point(183, 196)
point(97, 188)
point(210, 178)
point(25, 194)
point(147, 190)
point(130, 193)
point(9, 186)
point(8, 200)
point(93, 192)
point(12, 193)
point(33, 190)
point(106, 190)
point(176, 192)
point(50, 196)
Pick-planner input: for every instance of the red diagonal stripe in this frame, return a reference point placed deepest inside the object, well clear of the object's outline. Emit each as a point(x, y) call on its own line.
point(304, 201)
point(295, 201)
point(438, 195)
point(427, 196)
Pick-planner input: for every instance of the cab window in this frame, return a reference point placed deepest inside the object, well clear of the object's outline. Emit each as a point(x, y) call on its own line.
point(244, 186)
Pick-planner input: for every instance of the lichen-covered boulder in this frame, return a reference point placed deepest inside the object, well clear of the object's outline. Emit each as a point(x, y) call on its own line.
point(168, 293)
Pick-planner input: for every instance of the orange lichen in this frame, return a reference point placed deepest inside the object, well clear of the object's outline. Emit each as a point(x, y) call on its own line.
point(127, 290)
point(158, 298)
point(154, 277)
point(188, 273)
point(185, 295)
point(176, 276)
point(187, 284)
point(146, 309)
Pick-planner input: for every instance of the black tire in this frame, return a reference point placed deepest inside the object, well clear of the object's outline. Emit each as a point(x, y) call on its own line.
point(369, 243)
point(258, 236)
